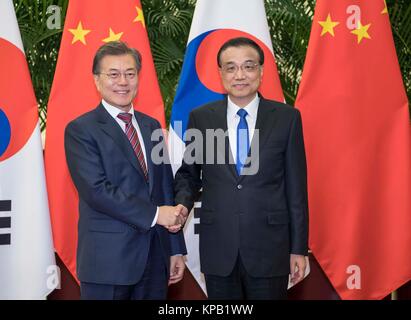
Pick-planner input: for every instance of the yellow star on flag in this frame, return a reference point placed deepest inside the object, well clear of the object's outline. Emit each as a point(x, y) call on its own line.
point(79, 34)
point(140, 17)
point(113, 36)
point(361, 32)
point(385, 11)
point(328, 25)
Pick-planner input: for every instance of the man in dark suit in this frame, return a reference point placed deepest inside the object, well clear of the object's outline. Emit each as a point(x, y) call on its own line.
point(125, 199)
point(254, 216)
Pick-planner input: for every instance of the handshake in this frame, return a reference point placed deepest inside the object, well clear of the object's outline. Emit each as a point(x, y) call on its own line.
point(172, 218)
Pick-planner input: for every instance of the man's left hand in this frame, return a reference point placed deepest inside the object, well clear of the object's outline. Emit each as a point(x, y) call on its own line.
point(177, 267)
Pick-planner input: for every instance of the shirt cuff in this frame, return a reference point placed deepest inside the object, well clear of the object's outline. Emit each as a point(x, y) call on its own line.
point(155, 218)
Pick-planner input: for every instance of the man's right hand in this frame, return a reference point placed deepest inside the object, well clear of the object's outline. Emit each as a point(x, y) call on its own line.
point(169, 216)
point(183, 212)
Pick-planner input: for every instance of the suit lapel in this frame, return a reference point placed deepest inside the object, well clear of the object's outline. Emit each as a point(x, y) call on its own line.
point(111, 128)
point(265, 116)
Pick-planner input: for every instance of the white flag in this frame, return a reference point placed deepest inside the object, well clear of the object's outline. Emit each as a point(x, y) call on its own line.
point(27, 263)
point(214, 22)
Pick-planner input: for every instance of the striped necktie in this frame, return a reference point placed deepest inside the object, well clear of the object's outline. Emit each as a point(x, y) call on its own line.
point(132, 136)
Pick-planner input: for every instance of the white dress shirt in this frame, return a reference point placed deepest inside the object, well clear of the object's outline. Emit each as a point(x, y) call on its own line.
point(233, 120)
point(114, 112)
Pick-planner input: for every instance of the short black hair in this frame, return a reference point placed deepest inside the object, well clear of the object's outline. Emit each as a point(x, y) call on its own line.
point(115, 48)
point(241, 42)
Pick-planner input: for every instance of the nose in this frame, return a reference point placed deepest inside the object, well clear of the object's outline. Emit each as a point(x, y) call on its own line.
point(122, 80)
point(239, 74)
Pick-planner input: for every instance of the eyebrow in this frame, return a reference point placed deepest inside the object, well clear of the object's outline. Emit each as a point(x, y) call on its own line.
point(129, 69)
point(232, 62)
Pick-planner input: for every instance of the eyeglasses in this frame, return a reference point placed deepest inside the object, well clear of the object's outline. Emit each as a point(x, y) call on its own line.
point(115, 75)
point(248, 67)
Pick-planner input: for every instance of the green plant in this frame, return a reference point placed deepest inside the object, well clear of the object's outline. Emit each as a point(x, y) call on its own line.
point(41, 45)
point(290, 25)
point(168, 24)
point(400, 13)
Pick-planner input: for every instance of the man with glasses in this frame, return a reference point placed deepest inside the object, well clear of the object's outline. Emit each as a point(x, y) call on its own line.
point(253, 223)
point(125, 199)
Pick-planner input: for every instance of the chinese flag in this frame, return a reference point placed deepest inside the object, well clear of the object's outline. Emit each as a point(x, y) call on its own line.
point(88, 25)
point(357, 134)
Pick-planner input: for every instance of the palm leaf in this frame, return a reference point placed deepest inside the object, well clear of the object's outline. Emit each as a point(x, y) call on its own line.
point(41, 45)
point(400, 13)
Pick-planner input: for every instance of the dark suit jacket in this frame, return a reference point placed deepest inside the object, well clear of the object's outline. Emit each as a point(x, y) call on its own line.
point(264, 217)
point(117, 206)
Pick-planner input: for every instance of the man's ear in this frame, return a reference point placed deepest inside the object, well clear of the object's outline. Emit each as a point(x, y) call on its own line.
point(97, 81)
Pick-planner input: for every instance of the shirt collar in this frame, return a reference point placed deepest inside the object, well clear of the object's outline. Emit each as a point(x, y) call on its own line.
point(251, 108)
point(114, 111)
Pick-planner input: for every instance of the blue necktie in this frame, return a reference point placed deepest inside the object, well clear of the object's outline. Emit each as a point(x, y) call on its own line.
point(243, 143)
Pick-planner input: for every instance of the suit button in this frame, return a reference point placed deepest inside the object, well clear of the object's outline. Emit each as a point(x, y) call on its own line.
point(240, 186)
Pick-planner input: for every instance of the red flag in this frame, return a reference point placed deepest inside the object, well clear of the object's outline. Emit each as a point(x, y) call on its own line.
point(357, 134)
point(88, 25)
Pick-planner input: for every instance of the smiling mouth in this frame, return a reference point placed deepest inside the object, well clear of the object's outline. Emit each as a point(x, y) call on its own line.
point(240, 85)
point(122, 92)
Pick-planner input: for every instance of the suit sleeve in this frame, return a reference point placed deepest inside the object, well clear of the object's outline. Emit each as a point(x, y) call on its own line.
point(177, 243)
point(187, 183)
point(86, 169)
point(296, 187)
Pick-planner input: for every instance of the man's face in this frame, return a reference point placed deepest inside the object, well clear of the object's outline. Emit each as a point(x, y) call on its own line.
point(241, 73)
point(117, 81)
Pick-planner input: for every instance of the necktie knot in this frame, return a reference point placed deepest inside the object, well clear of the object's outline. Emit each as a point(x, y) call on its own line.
point(242, 113)
point(126, 117)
